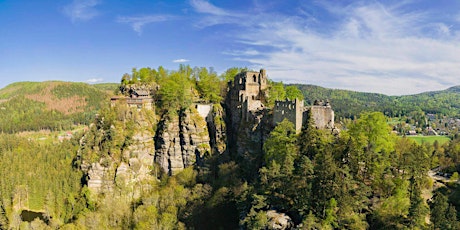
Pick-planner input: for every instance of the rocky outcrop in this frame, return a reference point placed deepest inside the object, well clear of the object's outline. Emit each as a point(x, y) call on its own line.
point(217, 129)
point(279, 221)
point(109, 169)
point(98, 177)
point(181, 140)
point(137, 165)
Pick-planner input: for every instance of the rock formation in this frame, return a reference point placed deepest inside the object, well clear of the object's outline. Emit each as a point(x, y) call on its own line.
point(181, 140)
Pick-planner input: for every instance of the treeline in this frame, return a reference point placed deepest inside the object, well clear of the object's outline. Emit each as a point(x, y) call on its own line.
point(38, 175)
point(179, 88)
point(362, 178)
point(55, 106)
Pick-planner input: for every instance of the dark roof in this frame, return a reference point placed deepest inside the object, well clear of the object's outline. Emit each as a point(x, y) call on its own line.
point(142, 92)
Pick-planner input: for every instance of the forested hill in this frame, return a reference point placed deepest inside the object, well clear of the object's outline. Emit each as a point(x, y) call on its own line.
point(348, 103)
point(54, 105)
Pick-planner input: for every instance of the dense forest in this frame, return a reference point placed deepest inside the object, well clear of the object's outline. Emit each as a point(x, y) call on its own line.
point(350, 103)
point(35, 106)
point(364, 177)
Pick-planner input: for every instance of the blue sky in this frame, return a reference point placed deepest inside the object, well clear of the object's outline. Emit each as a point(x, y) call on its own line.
point(391, 47)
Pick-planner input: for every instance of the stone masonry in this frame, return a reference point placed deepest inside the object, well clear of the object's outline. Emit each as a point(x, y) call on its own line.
point(247, 93)
point(297, 113)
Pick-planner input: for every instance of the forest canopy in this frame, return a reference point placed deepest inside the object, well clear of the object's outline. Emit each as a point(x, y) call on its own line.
point(363, 177)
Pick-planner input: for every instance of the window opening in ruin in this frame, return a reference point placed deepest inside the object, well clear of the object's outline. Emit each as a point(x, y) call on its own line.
point(254, 78)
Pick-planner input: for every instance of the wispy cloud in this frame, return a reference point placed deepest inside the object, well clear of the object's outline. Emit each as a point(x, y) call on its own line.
point(138, 22)
point(81, 10)
point(94, 80)
point(208, 8)
point(247, 52)
point(182, 60)
point(368, 47)
point(214, 15)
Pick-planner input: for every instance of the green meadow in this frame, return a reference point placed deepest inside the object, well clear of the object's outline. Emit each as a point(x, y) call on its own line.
point(430, 139)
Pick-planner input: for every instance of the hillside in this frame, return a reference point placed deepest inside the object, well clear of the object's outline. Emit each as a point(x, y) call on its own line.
point(54, 105)
point(348, 103)
point(164, 161)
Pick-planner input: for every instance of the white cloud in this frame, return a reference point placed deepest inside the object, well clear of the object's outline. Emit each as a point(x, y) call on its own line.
point(180, 60)
point(94, 80)
point(247, 52)
point(208, 8)
point(137, 23)
point(81, 10)
point(371, 47)
point(215, 15)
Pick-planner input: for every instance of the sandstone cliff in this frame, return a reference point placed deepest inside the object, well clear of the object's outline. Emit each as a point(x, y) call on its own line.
point(119, 155)
point(181, 140)
point(133, 150)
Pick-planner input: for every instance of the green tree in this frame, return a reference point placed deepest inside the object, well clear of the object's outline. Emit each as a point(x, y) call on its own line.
point(275, 177)
point(443, 214)
point(417, 209)
point(257, 216)
point(134, 76)
point(281, 146)
point(230, 73)
point(176, 92)
point(292, 92)
point(372, 145)
point(454, 177)
point(325, 183)
point(311, 140)
point(330, 215)
point(146, 75)
point(276, 92)
point(208, 85)
point(125, 79)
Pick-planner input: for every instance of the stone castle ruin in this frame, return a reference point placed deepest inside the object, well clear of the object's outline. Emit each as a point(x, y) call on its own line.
point(248, 92)
point(297, 113)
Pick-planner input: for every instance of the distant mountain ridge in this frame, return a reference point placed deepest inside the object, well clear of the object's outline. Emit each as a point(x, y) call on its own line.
point(349, 103)
point(54, 105)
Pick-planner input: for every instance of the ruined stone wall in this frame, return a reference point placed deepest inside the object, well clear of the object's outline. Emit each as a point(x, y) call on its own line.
point(323, 116)
point(255, 83)
point(291, 110)
point(249, 84)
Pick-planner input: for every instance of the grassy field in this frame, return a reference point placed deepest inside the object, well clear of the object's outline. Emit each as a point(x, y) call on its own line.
point(430, 139)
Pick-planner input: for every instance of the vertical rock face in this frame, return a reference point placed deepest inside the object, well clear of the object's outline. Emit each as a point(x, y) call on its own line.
point(168, 153)
point(97, 177)
point(138, 159)
point(247, 116)
point(129, 167)
point(181, 140)
point(217, 129)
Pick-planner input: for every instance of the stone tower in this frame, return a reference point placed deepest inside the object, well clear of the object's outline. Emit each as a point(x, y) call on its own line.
point(247, 91)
